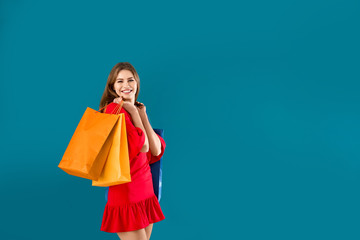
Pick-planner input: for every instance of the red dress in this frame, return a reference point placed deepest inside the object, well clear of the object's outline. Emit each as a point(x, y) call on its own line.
point(132, 206)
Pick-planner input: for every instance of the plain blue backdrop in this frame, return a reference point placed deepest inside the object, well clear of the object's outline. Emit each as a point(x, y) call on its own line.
point(259, 102)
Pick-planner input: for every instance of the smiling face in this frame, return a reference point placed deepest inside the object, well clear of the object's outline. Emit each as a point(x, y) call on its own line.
point(125, 85)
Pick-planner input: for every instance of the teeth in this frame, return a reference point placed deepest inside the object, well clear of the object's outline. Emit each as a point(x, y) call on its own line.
point(127, 91)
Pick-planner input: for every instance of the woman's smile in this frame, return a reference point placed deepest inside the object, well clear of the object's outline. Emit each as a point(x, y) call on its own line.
point(126, 91)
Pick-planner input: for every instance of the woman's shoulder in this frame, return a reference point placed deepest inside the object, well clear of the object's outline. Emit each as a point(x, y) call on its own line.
point(110, 107)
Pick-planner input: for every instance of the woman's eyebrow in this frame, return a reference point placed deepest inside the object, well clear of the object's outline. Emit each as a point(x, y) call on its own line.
point(122, 78)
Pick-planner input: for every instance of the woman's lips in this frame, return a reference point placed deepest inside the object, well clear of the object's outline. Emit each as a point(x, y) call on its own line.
point(126, 92)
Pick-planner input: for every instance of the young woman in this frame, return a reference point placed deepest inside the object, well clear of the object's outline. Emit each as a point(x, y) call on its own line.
point(132, 207)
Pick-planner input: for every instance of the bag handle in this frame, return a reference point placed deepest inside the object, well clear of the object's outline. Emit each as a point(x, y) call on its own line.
point(117, 108)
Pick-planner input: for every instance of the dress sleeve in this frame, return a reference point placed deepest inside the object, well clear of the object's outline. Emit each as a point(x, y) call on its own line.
point(152, 158)
point(135, 135)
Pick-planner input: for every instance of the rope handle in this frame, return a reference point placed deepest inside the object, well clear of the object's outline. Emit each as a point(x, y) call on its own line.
point(117, 108)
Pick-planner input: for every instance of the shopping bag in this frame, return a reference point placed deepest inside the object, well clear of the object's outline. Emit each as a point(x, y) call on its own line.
point(156, 170)
point(89, 146)
point(117, 166)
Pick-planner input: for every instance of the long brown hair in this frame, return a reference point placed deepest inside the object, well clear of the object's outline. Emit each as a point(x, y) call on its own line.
point(109, 92)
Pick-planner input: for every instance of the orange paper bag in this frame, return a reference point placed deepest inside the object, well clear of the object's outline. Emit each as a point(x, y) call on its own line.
point(89, 146)
point(117, 166)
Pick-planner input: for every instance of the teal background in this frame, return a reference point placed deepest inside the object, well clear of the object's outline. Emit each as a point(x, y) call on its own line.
point(259, 101)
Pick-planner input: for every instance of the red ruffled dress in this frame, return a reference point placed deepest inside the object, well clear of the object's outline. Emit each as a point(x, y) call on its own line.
point(132, 206)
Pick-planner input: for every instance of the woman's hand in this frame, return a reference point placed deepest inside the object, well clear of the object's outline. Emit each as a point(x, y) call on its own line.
point(128, 106)
point(141, 108)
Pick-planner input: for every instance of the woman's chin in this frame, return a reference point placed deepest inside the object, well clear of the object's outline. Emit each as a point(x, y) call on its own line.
point(126, 99)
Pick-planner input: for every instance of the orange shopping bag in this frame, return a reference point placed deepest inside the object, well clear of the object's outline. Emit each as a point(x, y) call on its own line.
point(89, 146)
point(117, 166)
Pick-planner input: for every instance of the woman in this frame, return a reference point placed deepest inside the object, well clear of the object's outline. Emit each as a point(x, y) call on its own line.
point(132, 207)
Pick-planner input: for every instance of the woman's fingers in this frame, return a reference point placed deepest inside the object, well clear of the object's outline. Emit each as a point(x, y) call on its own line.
point(117, 100)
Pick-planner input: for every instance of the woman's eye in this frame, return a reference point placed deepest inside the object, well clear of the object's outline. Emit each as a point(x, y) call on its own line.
point(119, 81)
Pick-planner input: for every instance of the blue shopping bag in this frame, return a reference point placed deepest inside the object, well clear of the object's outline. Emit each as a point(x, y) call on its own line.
point(156, 172)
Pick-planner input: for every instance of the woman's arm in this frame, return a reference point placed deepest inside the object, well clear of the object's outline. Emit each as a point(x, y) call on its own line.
point(154, 141)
